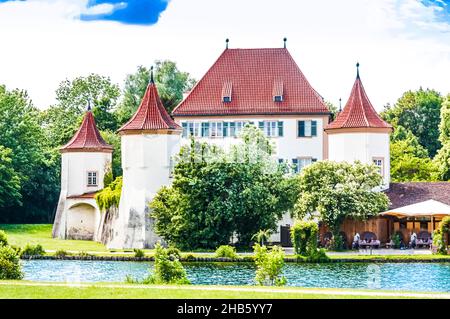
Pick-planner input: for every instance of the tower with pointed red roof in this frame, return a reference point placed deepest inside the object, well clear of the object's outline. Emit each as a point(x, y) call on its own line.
point(148, 139)
point(359, 133)
point(84, 161)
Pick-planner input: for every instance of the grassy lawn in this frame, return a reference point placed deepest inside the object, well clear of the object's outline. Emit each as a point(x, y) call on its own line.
point(20, 235)
point(29, 290)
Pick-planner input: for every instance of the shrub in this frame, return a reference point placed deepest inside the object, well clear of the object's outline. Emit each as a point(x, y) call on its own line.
point(168, 269)
point(397, 240)
point(61, 253)
point(9, 264)
point(3, 238)
point(226, 251)
point(439, 242)
point(319, 256)
point(304, 237)
point(83, 254)
point(30, 250)
point(138, 253)
point(269, 265)
point(174, 253)
point(189, 257)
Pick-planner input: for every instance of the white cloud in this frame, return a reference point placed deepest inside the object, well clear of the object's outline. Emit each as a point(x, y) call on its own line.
point(399, 43)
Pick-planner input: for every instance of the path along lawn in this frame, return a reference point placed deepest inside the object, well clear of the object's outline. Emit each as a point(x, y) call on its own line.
point(34, 290)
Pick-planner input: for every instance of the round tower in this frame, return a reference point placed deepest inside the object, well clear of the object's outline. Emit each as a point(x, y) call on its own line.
point(359, 134)
point(148, 139)
point(84, 161)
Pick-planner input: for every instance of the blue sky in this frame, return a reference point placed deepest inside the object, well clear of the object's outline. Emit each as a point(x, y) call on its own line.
point(400, 44)
point(138, 12)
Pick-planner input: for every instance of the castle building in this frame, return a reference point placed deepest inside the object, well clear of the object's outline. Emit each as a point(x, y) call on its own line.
point(263, 87)
point(84, 161)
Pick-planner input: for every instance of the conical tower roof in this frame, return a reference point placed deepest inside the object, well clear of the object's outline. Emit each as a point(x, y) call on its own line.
point(151, 114)
point(87, 138)
point(358, 112)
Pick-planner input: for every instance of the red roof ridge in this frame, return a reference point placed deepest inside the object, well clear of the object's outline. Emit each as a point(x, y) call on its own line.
point(252, 72)
point(151, 114)
point(87, 138)
point(358, 112)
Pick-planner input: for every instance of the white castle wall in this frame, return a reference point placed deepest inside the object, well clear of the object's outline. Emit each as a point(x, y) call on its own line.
point(74, 168)
point(362, 147)
point(146, 168)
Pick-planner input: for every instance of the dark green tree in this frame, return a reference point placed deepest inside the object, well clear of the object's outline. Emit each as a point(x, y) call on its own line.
point(9, 180)
point(419, 112)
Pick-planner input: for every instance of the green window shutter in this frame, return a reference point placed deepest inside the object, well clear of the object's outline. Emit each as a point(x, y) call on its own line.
point(184, 125)
point(251, 123)
point(280, 129)
point(313, 128)
point(301, 129)
point(261, 125)
point(295, 164)
point(225, 129)
point(232, 129)
point(314, 160)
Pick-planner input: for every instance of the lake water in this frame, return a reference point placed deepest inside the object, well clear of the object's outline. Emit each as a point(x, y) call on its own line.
point(386, 276)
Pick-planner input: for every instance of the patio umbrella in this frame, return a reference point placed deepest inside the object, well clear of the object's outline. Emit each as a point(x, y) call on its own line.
point(427, 208)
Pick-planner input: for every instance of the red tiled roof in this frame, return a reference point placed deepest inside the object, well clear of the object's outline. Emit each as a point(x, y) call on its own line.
point(358, 112)
point(151, 114)
point(403, 194)
point(83, 196)
point(87, 138)
point(254, 75)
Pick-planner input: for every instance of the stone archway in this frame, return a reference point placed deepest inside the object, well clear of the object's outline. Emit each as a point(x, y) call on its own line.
point(81, 222)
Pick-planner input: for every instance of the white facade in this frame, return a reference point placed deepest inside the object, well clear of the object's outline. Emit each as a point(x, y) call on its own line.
point(146, 163)
point(287, 147)
point(77, 215)
point(366, 147)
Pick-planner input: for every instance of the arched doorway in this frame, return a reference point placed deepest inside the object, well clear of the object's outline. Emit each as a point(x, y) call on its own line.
point(81, 222)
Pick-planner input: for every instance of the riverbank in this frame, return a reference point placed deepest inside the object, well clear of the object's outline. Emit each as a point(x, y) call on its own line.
point(33, 290)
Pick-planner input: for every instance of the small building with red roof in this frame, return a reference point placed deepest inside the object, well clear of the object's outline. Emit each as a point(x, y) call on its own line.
point(359, 133)
point(84, 161)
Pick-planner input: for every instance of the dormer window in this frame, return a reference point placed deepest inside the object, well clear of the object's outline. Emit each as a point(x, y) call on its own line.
point(226, 91)
point(277, 92)
point(278, 98)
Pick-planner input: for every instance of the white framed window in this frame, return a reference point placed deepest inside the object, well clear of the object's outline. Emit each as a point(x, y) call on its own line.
point(379, 162)
point(92, 178)
point(216, 129)
point(301, 162)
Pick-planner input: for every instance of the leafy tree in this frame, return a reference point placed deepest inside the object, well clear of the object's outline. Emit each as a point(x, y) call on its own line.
point(262, 235)
point(171, 83)
point(333, 110)
point(444, 127)
point(9, 180)
point(409, 159)
point(113, 139)
point(216, 194)
point(60, 124)
point(442, 162)
point(31, 159)
point(94, 89)
point(419, 111)
point(337, 191)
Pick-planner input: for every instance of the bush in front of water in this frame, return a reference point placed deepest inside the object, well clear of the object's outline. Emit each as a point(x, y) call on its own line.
point(3, 238)
point(30, 250)
point(304, 237)
point(61, 253)
point(173, 252)
point(138, 253)
point(439, 236)
point(168, 269)
point(9, 264)
point(226, 251)
point(269, 265)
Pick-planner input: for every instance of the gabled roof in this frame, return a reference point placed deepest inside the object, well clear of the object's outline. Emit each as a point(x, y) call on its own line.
point(87, 138)
point(252, 75)
point(151, 114)
point(403, 194)
point(358, 112)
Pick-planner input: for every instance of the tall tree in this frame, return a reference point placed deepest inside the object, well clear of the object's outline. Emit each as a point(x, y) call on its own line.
point(442, 158)
point(30, 157)
point(418, 111)
point(9, 180)
point(171, 83)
